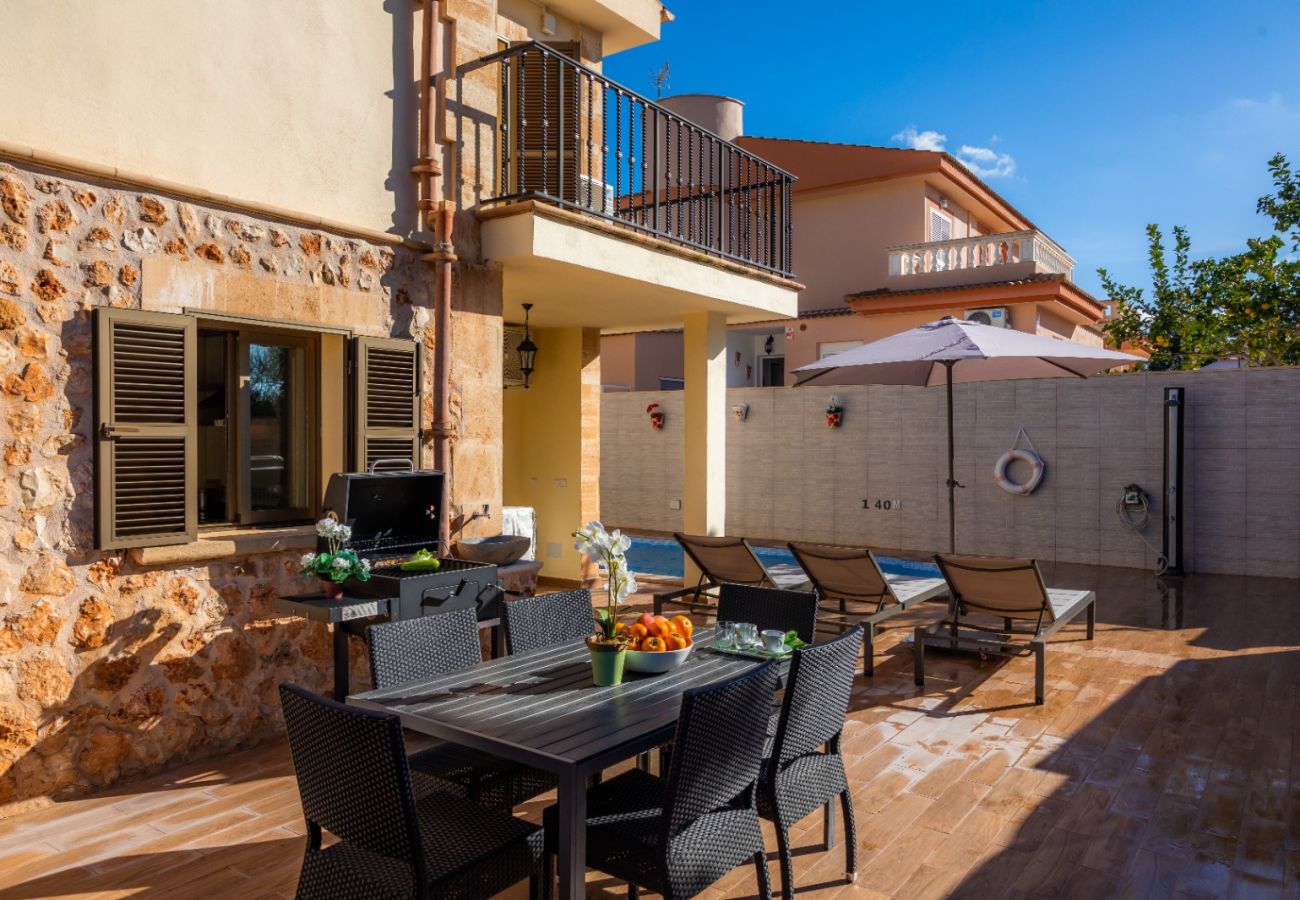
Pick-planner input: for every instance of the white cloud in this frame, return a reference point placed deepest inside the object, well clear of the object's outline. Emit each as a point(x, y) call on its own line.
point(983, 161)
point(1270, 105)
point(921, 140)
point(987, 163)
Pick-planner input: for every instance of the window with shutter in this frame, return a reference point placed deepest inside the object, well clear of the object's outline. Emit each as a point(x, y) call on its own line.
point(940, 226)
point(387, 403)
point(145, 416)
point(546, 88)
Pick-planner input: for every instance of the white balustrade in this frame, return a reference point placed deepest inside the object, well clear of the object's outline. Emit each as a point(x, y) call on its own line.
point(982, 251)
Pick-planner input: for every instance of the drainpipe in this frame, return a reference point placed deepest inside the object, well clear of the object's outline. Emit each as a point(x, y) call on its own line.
point(438, 215)
point(444, 255)
point(426, 167)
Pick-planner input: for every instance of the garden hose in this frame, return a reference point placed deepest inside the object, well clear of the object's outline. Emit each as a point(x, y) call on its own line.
point(1137, 523)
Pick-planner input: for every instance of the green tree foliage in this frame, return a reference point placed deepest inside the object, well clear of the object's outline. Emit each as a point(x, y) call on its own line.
point(1247, 304)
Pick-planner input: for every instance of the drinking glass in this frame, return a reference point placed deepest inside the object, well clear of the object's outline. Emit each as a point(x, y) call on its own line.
point(725, 634)
point(747, 634)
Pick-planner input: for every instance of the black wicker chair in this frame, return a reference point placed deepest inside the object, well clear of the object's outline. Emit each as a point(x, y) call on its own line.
point(769, 608)
point(805, 768)
point(679, 835)
point(354, 782)
point(532, 623)
point(418, 649)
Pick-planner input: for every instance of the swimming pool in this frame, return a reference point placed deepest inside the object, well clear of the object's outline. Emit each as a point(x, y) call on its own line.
point(658, 556)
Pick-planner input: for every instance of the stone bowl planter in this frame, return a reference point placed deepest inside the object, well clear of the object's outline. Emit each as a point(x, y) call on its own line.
point(498, 550)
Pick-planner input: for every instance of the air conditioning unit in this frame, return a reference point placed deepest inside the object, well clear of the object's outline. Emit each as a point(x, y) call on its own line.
point(996, 316)
point(601, 194)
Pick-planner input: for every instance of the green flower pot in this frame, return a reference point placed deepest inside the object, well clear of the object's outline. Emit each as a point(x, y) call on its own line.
point(606, 662)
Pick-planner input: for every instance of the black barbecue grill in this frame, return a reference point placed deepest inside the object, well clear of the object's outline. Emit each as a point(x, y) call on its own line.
point(392, 515)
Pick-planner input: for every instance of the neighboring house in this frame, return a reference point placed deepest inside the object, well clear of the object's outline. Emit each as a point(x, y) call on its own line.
point(886, 239)
point(246, 245)
point(1137, 348)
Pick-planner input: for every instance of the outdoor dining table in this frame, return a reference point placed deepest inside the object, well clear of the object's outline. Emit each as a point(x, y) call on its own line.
point(541, 709)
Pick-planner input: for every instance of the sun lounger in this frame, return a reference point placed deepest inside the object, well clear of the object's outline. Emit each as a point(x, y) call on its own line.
point(726, 560)
point(1009, 589)
point(851, 581)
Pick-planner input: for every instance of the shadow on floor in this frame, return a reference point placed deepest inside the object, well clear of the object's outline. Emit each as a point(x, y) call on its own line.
point(230, 871)
point(1185, 784)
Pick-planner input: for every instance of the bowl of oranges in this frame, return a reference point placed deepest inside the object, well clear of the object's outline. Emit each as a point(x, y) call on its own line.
point(656, 644)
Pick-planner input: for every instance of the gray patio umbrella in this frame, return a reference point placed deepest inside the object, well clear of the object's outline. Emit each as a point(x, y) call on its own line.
point(953, 351)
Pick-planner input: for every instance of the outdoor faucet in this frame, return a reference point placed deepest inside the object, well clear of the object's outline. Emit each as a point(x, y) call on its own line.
point(483, 512)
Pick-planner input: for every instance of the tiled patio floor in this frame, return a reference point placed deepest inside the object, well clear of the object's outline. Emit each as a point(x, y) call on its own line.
point(1164, 763)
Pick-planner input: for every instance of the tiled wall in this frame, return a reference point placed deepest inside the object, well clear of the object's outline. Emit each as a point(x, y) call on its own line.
point(790, 476)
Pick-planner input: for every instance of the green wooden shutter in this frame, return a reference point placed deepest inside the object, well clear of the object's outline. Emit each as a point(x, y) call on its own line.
point(386, 413)
point(145, 429)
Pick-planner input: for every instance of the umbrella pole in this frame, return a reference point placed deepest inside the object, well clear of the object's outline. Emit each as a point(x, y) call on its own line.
point(952, 480)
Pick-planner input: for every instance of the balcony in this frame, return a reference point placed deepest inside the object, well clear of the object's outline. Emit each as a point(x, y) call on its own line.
point(569, 138)
point(1013, 268)
point(979, 259)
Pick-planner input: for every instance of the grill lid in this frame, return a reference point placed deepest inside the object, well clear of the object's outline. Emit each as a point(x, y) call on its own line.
point(387, 508)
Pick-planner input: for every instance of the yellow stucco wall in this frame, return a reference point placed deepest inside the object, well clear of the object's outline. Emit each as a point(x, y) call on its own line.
point(551, 441)
point(300, 104)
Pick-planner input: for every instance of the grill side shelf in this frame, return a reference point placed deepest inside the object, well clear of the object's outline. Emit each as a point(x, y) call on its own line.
point(318, 608)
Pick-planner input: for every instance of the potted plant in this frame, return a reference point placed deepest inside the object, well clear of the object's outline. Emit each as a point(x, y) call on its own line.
point(656, 416)
point(834, 413)
point(608, 647)
point(335, 565)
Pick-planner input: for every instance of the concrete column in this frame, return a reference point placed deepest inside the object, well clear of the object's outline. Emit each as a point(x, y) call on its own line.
point(704, 505)
point(552, 445)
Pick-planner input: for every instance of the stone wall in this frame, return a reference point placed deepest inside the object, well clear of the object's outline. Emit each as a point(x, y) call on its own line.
point(109, 668)
point(789, 476)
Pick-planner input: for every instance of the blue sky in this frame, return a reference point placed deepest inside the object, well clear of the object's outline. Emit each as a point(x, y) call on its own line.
point(1110, 114)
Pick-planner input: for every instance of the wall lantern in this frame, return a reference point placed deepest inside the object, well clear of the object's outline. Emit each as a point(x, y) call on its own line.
point(527, 350)
point(767, 345)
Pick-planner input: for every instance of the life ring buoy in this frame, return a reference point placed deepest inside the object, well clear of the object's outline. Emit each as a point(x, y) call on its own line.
point(1005, 460)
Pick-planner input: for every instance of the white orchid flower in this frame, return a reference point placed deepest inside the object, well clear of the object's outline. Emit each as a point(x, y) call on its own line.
point(624, 585)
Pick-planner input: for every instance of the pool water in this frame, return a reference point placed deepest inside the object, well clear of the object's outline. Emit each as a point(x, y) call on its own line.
point(657, 556)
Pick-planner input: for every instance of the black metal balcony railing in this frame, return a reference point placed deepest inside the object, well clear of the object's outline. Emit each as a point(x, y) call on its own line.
point(569, 136)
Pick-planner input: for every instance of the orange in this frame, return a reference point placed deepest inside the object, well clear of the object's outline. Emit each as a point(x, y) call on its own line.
point(661, 627)
point(676, 642)
point(634, 645)
point(620, 628)
point(638, 631)
point(653, 644)
point(683, 625)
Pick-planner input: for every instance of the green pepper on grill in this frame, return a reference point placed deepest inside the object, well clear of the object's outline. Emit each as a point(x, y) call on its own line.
point(422, 561)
